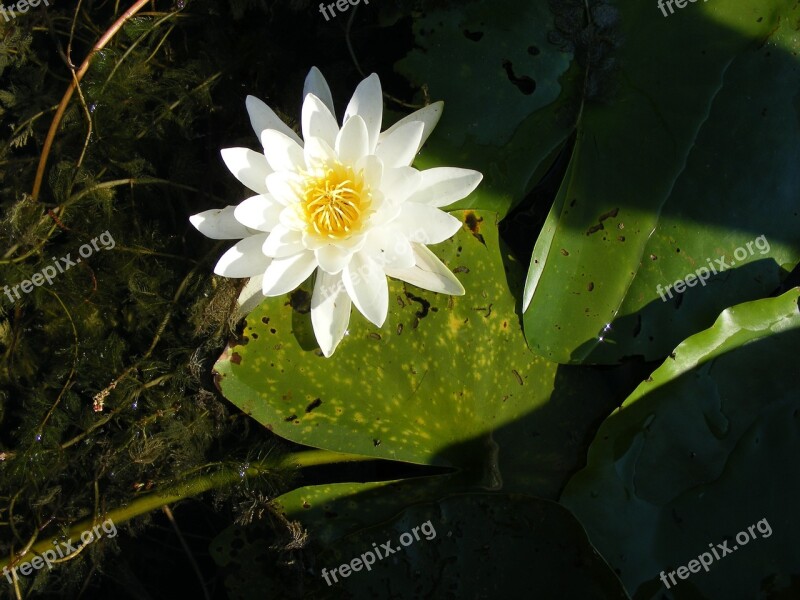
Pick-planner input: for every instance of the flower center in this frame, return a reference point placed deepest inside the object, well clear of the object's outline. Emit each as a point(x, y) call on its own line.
point(335, 202)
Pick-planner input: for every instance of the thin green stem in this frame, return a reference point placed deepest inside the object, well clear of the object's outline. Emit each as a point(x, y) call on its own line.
point(193, 487)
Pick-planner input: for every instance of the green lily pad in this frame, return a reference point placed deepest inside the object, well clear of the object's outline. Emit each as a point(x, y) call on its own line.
point(535, 546)
point(448, 381)
point(703, 450)
point(332, 511)
point(247, 556)
point(442, 549)
point(691, 156)
point(511, 102)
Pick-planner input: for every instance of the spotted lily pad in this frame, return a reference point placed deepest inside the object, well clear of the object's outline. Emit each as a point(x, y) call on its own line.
point(448, 381)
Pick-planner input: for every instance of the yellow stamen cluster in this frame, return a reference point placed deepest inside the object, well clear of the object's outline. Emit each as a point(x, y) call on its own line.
point(336, 202)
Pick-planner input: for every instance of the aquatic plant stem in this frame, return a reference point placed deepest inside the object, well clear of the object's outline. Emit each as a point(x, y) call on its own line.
point(78, 75)
point(187, 489)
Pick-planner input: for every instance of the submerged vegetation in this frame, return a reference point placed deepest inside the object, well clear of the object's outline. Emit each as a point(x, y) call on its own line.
point(105, 376)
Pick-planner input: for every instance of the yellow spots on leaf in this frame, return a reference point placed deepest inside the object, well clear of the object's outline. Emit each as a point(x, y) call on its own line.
point(454, 323)
point(439, 381)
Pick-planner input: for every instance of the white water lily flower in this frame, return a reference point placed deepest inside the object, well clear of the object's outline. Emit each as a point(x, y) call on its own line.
point(343, 202)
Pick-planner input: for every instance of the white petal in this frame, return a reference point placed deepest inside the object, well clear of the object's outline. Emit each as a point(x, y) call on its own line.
point(317, 120)
point(318, 154)
point(429, 273)
point(429, 116)
point(352, 142)
point(282, 152)
point(400, 183)
point(373, 170)
point(389, 248)
point(332, 259)
point(425, 224)
point(285, 187)
point(317, 85)
point(314, 241)
point(250, 297)
point(245, 259)
point(259, 212)
point(283, 242)
point(366, 283)
point(400, 147)
point(219, 224)
point(262, 117)
point(444, 185)
point(385, 211)
point(251, 168)
point(293, 217)
point(285, 274)
point(367, 101)
point(330, 311)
